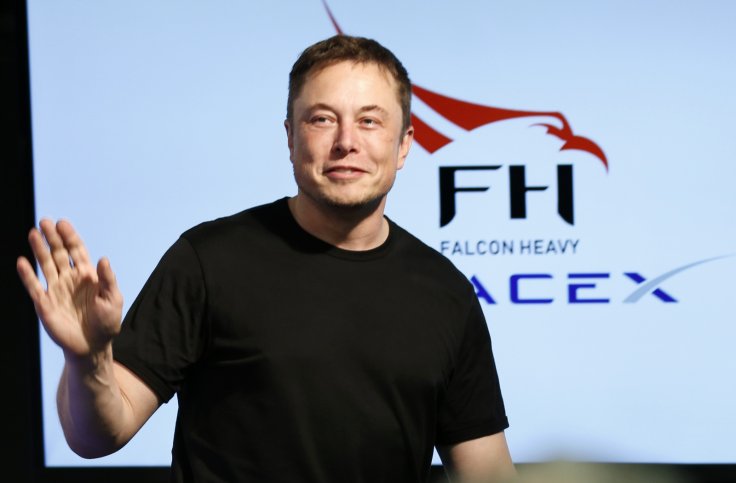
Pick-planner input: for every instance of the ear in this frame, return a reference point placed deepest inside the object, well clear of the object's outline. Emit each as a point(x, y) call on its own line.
point(289, 138)
point(405, 145)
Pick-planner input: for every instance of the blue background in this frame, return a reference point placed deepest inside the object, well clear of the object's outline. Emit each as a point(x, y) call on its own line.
point(150, 117)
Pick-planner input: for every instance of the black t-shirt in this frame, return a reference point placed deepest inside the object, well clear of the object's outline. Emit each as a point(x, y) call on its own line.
point(296, 361)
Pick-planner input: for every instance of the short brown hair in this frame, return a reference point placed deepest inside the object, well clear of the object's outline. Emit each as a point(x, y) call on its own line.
point(346, 48)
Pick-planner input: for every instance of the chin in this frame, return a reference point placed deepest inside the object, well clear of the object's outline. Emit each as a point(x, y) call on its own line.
point(356, 203)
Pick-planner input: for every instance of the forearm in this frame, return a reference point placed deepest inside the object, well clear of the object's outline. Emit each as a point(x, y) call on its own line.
point(93, 411)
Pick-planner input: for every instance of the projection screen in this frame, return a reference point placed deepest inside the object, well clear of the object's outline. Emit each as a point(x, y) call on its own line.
point(574, 160)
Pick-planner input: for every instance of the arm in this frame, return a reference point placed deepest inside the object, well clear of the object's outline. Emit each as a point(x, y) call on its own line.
point(485, 459)
point(101, 404)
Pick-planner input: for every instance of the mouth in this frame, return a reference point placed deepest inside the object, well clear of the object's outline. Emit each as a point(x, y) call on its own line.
point(344, 172)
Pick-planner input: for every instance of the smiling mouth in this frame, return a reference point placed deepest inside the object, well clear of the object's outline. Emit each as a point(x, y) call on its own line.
point(343, 171)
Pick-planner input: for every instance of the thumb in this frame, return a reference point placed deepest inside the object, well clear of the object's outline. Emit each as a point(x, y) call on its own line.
point(108, 283)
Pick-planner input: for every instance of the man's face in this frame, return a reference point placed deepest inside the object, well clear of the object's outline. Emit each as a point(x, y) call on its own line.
point(345, 139)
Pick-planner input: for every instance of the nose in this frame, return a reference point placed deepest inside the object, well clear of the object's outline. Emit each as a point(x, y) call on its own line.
point(345, 139)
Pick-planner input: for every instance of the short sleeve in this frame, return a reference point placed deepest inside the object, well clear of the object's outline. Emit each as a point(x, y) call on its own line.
point(473, 406)
point(164, 331)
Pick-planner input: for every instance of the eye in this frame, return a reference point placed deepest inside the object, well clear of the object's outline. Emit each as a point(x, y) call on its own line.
point(369, 122)
point(321, 119)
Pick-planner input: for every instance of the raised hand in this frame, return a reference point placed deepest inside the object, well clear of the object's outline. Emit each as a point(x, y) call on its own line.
point(80, 307)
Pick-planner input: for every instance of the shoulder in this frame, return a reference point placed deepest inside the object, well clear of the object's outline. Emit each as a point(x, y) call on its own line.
point(428, 264)
point(252, 223)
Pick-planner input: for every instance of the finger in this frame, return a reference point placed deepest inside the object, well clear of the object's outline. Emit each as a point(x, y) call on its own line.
point(34, 287)
point(43, 255)
point(41, 302)
point(58, 251)
point(73, 243)
point(30, 280)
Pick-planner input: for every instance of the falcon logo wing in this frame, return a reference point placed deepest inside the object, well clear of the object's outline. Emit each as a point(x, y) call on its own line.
point(470, 116)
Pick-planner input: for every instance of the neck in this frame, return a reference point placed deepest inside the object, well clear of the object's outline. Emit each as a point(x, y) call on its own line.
point(356, 229)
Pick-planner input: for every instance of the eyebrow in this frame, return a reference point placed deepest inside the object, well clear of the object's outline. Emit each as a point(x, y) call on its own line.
point(368, 108)
point(373, 107)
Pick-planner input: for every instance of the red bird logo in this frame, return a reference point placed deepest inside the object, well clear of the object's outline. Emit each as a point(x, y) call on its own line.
point(469, 116)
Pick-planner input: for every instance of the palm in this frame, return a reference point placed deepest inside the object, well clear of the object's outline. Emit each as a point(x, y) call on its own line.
point(81, 307)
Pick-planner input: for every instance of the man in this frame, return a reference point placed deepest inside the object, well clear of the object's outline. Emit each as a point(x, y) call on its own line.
point(377, 353)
